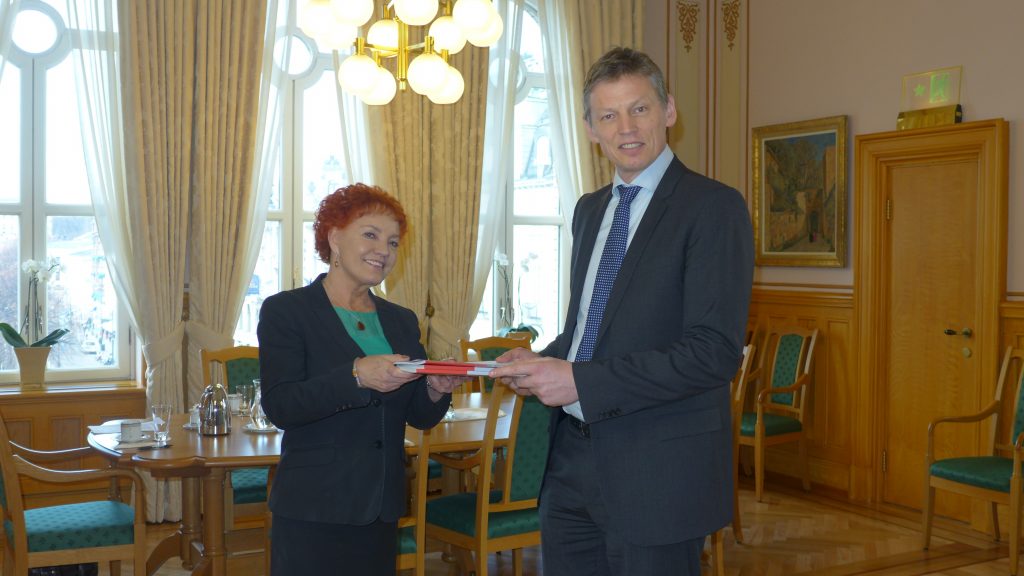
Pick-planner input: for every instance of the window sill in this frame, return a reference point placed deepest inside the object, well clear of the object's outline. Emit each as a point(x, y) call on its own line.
point(73, 391)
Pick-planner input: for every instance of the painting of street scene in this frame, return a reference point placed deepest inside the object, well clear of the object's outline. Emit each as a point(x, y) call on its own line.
point(800, 197)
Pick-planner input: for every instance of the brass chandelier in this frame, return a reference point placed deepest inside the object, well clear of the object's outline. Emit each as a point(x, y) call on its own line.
point(424, 67)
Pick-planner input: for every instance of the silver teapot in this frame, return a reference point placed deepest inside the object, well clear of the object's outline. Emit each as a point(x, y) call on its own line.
point(214, 415)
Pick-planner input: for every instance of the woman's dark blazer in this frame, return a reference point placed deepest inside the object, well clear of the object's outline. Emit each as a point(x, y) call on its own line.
point(343, 451)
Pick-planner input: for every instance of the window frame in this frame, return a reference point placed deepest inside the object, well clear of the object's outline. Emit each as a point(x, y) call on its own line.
point(32, 208)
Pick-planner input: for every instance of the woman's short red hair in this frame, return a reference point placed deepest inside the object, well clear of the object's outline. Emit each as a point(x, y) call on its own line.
point(339, 208)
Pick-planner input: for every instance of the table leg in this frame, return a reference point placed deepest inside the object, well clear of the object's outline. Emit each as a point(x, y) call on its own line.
point(190, 521)
point(215, 560)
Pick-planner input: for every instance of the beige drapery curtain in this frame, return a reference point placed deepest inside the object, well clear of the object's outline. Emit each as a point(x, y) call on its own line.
point(575, 34)
point(432, 158)
point(227, 219)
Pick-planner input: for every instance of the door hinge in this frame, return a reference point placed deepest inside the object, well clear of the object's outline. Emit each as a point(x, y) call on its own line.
point(888, 208)
point(885, 462)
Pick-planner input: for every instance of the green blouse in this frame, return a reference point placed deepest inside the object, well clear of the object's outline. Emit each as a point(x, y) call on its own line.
point(365, 329)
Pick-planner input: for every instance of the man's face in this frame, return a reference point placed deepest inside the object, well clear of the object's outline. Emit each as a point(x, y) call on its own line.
point(629, 122)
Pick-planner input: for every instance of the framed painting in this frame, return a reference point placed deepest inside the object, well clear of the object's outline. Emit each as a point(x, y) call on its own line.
point(800, 193)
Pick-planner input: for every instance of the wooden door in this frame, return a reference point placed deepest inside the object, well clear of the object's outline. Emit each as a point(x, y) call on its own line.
point(930, 276)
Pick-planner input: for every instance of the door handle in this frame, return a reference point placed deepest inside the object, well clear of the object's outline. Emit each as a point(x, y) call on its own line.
point(966, 332)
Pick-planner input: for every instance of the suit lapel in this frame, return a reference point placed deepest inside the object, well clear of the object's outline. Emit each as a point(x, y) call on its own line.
point(656, 210)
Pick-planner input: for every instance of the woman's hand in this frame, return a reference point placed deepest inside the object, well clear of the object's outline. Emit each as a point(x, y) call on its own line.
point(444, 384)
point(380, 373)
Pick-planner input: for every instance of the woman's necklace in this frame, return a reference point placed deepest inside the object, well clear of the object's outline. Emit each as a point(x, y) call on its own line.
point(359, 323)
point(353, 316)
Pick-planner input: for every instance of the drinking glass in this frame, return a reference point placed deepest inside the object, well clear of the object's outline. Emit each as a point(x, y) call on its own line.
point(247, 391)
point(161, 423)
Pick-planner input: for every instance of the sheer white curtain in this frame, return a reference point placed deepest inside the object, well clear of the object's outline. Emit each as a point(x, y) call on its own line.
point(354, 133)
point(564, 68)
point(498, 138)
point(139, 174)
point(576, 33)
point(8, 8)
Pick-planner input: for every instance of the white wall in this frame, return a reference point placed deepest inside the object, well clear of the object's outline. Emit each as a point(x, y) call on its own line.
point(815, 58)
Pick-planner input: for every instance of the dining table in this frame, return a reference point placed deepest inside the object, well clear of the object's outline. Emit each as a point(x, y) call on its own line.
point(203, 462)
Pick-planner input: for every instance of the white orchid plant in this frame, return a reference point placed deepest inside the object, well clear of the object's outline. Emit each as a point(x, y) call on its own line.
point(38, 271)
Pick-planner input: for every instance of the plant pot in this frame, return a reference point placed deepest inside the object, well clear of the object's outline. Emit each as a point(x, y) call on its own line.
point(32, 365)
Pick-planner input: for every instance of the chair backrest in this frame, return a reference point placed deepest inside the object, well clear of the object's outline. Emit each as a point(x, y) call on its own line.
point(489, 349)
point(10, 495)
point(412, 547)
point(738, 387)
point(1011, 370)
point(787, 357)
point(231, 366)
point(525, 455)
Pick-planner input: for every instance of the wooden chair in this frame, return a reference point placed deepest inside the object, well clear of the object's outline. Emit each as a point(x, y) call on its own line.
point(412, 528)
point(737, 390)
point(506, 517)
point(994, 477)
point(247, 489)
point(490, 348)
point(784, 378)
point(94, 531)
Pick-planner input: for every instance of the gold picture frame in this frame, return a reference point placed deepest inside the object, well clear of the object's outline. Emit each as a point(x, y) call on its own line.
point(800, 193)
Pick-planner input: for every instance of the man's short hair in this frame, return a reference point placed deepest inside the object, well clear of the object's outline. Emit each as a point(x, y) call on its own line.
point(619, 62)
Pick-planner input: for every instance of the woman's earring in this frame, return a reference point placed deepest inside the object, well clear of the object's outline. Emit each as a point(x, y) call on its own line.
point(336, 263)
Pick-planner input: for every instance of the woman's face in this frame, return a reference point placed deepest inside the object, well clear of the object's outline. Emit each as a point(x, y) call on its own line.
point(367, 248)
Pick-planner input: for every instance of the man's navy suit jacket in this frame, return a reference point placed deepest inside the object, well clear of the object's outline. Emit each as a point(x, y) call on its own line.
point(656, 392)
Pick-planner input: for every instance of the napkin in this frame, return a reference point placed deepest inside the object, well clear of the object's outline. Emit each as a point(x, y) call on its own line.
point(114, 427)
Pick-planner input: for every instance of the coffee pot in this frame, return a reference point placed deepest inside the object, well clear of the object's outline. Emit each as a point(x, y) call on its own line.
point(214, 416)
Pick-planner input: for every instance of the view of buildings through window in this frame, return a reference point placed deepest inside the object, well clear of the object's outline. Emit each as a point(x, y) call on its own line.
point(46, 208)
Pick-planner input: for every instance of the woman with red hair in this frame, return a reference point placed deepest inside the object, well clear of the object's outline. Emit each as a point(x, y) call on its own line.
point(327, 354)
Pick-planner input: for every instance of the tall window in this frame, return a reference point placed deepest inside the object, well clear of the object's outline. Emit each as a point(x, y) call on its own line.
point(529, 282)
point(311, 166)
point(46, 209)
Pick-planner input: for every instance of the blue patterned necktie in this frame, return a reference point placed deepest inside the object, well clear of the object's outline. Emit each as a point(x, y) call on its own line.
point(607, 270)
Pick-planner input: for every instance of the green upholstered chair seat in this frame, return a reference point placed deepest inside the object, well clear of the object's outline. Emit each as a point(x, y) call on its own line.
point(407, 540)
point(71, 526)
point(249, 485)
point(458, 513)
point(991, 472)
point(774, 424)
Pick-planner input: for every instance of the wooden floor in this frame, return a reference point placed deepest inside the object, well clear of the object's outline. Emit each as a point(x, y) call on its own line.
point(790, 533)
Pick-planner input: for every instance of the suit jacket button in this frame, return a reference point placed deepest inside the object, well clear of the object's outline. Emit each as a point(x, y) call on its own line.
point(378, 444)
point(376, 401)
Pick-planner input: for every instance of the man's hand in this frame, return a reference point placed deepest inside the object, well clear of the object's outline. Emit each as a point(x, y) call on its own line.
point(549, 379)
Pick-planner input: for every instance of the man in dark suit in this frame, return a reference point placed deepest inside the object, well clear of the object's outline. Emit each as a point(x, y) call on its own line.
point(639, 470)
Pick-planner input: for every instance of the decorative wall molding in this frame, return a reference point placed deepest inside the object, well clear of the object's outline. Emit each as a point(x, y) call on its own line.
point(688, 14)
point(731, 19)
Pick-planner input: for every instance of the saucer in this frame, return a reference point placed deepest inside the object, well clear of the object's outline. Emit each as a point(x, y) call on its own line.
point(254, 430)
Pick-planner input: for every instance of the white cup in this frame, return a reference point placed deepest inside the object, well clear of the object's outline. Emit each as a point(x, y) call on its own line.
point(131, 430)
